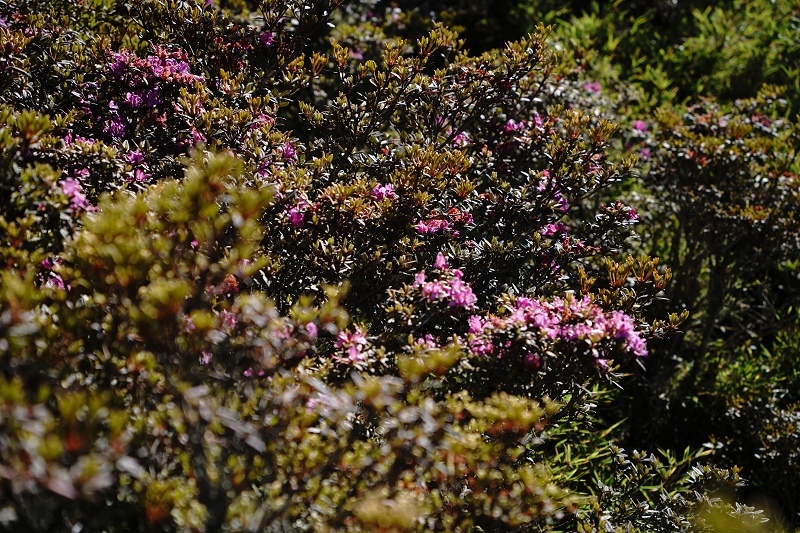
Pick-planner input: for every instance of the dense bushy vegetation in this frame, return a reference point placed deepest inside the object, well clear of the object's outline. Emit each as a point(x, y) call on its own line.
point(389, 266)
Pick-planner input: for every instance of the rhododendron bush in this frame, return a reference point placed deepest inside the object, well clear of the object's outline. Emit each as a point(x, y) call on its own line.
point(291, 266)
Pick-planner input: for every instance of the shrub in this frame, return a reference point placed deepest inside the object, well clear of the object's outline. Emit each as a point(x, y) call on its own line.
point(256, 282)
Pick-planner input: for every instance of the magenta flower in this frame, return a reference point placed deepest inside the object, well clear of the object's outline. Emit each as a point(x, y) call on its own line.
point(450, 287)
point(433, 290)
point(640, 125)
point(114, 126)
point(297, 216)
point(562, 204)
point(461, 140)
point(441, 261)
point(513, 126)
point(383, 192)
point(537, 120)
point(228, 321)
point(553, 229)
point(74, 191)
point(572, 320)
point(119, 62)
point(267, 38)
point(55, 281)
point(460, 293)
point(288, 152)
point(427, 342)
point(476, 324)
point(432, 226)
point(197, 137)
point(139, 175)
point(354, 343)
point(135, 157)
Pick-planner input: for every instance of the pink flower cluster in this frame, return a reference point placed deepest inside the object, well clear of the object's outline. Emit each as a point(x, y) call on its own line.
point(512, 126)
point(74, 191)
point(436, 222)
point(383, 192)
point(288, 152)
point(592, 87)
point(296, 214)
point(163, 65)
point(553, 229)
point(434, 225)
point(449, 287)
point(353, 343)
point(562, 319)
point(461, 140)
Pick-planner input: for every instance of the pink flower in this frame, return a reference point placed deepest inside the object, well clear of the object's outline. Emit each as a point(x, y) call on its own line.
point(197, 137)
point(296, 217)
point(561, 202)
point(433, 290)
point(119, 62)
point(114, 126)
point(297, 214)
point(513, 126)
point(537, 120)
point(592, 87)
point(140, 175)
point(354, 342)
point(427, 341)
point(441, 261)
point(460, 293)
point(74, 191)
point(152, 98)
point(311, 329)
point(640, 125)
point(621, 326)
point(55, 281)
point(432, 226)
point(553, 229)
point(461, 140)
point(228, 320)
point(476, 324)
point(382, 192)
point(135, 157)
point(636, 345)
